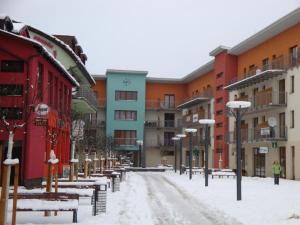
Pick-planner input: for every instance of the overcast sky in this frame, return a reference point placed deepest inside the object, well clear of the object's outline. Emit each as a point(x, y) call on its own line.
point(168, 38)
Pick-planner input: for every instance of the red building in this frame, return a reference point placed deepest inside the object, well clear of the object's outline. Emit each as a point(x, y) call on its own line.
point(29, 76)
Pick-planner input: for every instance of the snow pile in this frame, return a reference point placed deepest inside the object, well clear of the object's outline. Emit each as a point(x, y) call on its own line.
point(53, 161)
point(11, 161)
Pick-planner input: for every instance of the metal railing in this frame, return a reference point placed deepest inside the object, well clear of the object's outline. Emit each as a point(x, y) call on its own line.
point(208, 93)
point(259, 134)
point(94, 123)
point(163, 105)
point(86, 93)
point(163, 123)
point(265, 99)
point(283, 62)
point(124, 141)
point(187, 120)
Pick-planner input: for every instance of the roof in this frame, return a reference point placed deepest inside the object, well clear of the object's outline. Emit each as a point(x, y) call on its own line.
point(127, 71)
point(270, 31)
point(259, 77)
point(199, 72)
point(193, 102)
point(69, 50)
point(45, 53)
point(218, 50)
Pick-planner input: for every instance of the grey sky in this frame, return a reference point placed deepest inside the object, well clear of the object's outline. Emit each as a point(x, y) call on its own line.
point(169, 38)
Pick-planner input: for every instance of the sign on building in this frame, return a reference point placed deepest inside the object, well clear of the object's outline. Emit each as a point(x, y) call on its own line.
point(195, 117)
point(263, 150)
point(265, 131)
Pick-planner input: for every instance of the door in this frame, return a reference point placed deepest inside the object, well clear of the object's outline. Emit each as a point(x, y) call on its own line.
point(282, 161)
point(259, 163)
point(169, 120)
point(282, 125)
point(282, 91)
point(169, 101)
point(293, 162)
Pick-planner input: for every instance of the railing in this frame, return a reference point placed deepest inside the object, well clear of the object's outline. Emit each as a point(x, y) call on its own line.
point(259, 134)
point(85, 92)
point(157, 104)
point(265, 99)
point(163, 123)
point(93, 123)
point(124, 141)
point(208, 93)
point(188, 120)
point(280, 63)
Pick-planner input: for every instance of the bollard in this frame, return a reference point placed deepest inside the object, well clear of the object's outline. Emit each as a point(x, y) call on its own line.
point(115, 181)
point(99, 197)
point(123, 174)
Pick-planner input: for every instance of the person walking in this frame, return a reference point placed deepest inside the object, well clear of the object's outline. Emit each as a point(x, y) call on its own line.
point(276, 168)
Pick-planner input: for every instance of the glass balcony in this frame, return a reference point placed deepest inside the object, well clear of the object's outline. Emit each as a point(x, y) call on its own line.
point(84, 100)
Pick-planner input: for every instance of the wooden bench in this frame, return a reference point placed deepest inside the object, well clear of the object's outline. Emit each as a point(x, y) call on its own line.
point(221, 174)
point(48, 202)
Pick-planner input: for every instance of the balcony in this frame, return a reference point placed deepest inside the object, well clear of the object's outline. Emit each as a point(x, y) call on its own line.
point(125, 144)
point(196, 99)
point(84, 100)
point(251, 135)
point(265, 100)
point(163, 124)
point(94, 124)
point(193, 119)
point(160, 105)
point(265, 72)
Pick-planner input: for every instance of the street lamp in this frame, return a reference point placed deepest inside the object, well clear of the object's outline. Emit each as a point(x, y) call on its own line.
point(142, 161)
point(175, 139)
point(190, 131)
point(236, 108)
point(180, 151)
point(206, 122)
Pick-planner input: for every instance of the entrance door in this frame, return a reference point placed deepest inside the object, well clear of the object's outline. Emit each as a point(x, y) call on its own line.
point(293, 162)
point(259, 163)
point(281, 125)
point(282, 91)
point(282, 161)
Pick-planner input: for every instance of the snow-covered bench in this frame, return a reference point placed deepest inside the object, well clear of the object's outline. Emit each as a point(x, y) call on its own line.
point(48, 202)
point(223, 173)
point(195, 170)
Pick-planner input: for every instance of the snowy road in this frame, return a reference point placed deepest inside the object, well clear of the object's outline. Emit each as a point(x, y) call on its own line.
point(170, 205)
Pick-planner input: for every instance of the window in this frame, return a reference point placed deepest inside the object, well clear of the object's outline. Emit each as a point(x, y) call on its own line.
point(39, 78)
point(12, 66)
point(219, 125)
point(11, 113)
point(219, 100)
point(11, 90)
point(265, 64)
point(126, 95)
point(169, 101)
point(293, 55)
point(219, 75)
point(168, 138)
point(292, 84)
point(219, 137)
point(125, 115)
point(220, 87)
point(125, 137)
point(292, 119)
point(219, 112)
point(50, 89)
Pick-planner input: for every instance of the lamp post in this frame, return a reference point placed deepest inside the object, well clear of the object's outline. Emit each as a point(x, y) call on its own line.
point(181, 136)
point(142, 161)
point(175, 139)
point(236, 108)
point(206, 122)
point(190, 131)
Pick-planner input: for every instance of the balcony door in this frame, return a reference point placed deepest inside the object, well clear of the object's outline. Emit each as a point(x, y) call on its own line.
point(259, 163)
point(281, 93)
point(169, 119)
point(282, 125)
point(169, 101)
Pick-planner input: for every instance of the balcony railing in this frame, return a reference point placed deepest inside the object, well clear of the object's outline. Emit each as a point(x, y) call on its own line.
point(193, 118)
point(259, 134)
point(93, 124)
point(163, 123)
point(265, 100)
point(280, 63)
point(160, 105)
point(85, 92)
point(124, 141)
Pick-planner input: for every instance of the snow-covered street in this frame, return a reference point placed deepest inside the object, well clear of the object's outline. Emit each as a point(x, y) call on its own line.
point(168, 199)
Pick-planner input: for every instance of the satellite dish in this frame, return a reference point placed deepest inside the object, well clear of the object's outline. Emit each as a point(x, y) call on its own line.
point(272, 121)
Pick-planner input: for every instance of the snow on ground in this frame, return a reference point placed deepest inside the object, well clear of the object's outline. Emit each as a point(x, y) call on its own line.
point(262, 202)
point(168, 199)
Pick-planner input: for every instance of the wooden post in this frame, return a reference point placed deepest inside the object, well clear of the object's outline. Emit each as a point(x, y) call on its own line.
point(56, 184)
point(76, 170)
point(71, 175)
point(85, 169)
point(3, 194)
point(49, 183)
point(16, 183)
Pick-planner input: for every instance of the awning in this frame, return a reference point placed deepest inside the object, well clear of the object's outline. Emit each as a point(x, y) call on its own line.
point(193, 102)
point(259, 77)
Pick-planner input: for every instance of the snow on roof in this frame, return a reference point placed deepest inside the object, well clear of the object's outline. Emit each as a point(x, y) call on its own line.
point(48, 54)
point(18, 27)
